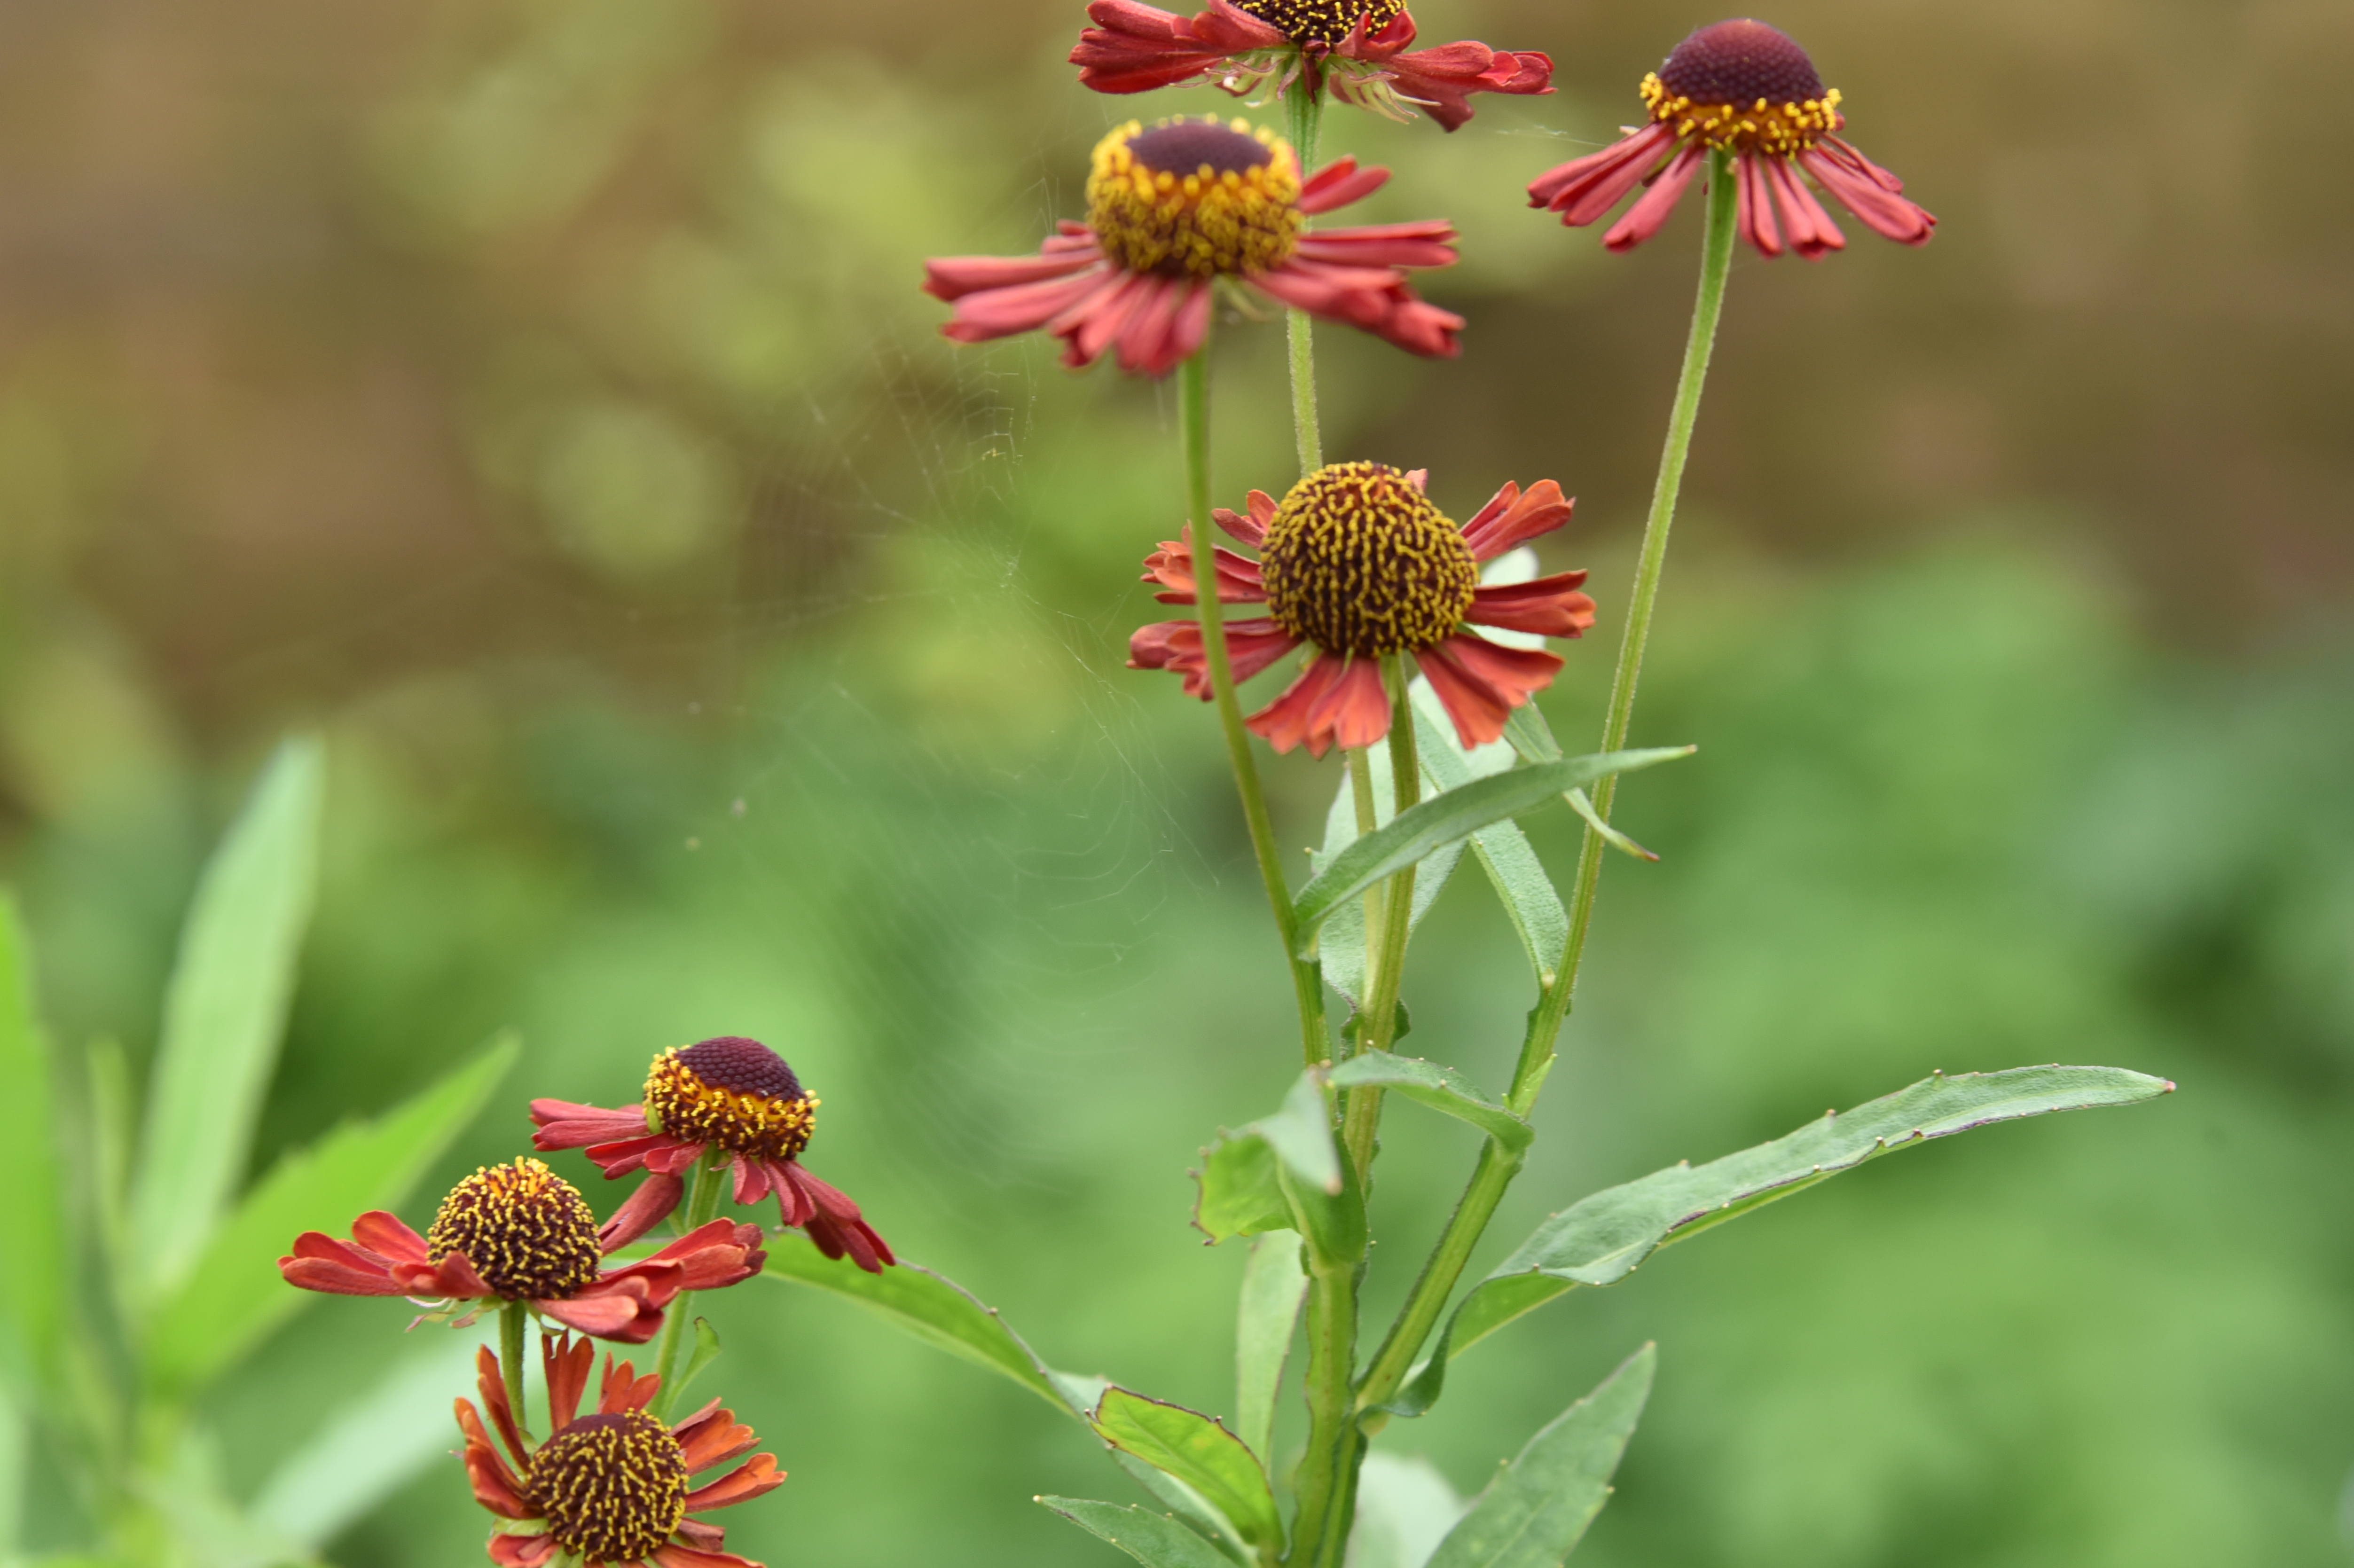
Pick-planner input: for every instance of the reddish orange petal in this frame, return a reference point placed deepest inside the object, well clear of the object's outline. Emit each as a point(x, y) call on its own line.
point(748, 1481)
point(496, 1486)
point(495, 1400)
point(568, 1362)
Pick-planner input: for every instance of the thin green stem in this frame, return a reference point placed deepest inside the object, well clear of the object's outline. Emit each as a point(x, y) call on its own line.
point(710, 1184)
point(1385, 970)
point(1361, 790)
point(1496, 1169)
point(1328, 1467)
point(1307, 980)
point(513, 1317)
point(1304, 113)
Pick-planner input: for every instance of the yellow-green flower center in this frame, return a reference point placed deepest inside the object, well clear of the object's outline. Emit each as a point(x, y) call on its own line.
point(1196, 199)
point(734, 1093)
point(527, 1231)
point(611, 1488)
point(1358, 561)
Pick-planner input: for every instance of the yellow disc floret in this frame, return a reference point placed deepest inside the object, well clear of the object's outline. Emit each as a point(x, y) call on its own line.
point(612, 1487)
point(734, 1093)
point(1199, 198)
point(1358, 561)
point(527, 1231)
point(1756, 126)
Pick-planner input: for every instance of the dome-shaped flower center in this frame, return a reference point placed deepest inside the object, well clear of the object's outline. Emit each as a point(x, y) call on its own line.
point(1323, 21)
point(611, 1488)
point(735, 1093)
point(1194, 198)
point(1358, 561)
point(1744, 85)
point(527, 1231)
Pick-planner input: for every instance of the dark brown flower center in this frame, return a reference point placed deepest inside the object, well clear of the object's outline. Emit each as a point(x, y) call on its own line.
point(527, 1231)
point(1323, 21)
point(1358, 561)
point(611, 1488)
point(735, 1093)
point(1740, 62)
point(1197, 198)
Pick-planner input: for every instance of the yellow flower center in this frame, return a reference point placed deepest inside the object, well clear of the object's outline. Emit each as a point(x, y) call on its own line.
point(735, 1093)
point(527, 1232)
point(1358, 561)
point(1744, 85)
point(1323, 21)
point(1194, 198)
point(611, 1488)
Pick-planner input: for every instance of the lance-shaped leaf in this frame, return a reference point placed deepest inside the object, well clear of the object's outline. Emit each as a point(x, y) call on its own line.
point(1504, 851)
point(1440, 1088)
point(236, 1296)
point(1156, 1540)
point(223, 1016)
point(1241, 1193)
point(1535, 1512)
point(1418, 831)
point(1404, 1509)
point(1197, 1450)
point(1601, 1239)
point(1266, 1315)
point(1342, 946)
point(939, 1311)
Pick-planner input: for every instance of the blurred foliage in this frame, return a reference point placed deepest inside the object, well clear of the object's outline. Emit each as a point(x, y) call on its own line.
point(535, 394)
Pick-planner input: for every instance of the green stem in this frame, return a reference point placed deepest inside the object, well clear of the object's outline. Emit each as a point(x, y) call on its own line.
point(1496, 1169)
point(513, 1318)
point(1385, 973)
point(1716, 262)
point(1194, 419)
point(1304, 111)
point(710, 1182)
point(1328, 1467)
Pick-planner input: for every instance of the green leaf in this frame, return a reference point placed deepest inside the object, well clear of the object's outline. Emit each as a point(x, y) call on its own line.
point(1584, 805)
point(1504, 851)
point(1266, 1315)
point(1342, 948)
point(223, 1016)
point(1536, 1512)
point(1419, 830)
point(1300, 1133)
point(1531, 736)
point(705, 1351)
point(1197, 1450)
point(1601, 1239)
point(1404, 1509)
point(235, 1297)
point(1441, 1088)
point(32, 1224)
point(1156, 1540)
point(1238, 1195)
point(937, 1310)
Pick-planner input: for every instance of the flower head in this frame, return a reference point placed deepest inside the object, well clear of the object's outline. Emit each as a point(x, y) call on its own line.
point(522, 1233)
point(1749, 89)
point(613, 1488)
point(735, 1100)
point(1356, 563)
point(1361, 50)
point(1173, 211)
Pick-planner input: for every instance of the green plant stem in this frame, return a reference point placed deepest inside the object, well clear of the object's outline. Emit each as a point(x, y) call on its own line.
point(512, 1319)
point(710, 1184)
point(1304, 113)
point(1328, 1467)
point(1377, 1031)
point(1495, 1170)
point(1360, 789)
point(1307, 978)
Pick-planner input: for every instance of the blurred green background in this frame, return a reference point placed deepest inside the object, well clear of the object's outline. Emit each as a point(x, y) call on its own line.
point(533, 396)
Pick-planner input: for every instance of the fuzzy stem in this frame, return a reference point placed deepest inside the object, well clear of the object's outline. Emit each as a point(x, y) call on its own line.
point(1194, 419)
point(1496, 1169)
point(1304, 111)
point(710, 1185)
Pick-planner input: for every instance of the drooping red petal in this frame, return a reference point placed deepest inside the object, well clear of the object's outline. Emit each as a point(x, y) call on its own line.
point(1585, 189)
point(748, 1481)
point(709, 1257)
point(1283, 723)
point(1512, 518)
point(754, 1180)
point(564, 1125)
point(1812, 233)
point(1136, 47)
point(954, 277)
point(1650, 213)
point(1442, 79)
point(1169, 326)
point(690, 1557)
point(1172, 565)
point(320, 1262)
point(1870, 192)
point(1337, 185)
point(611, 1309)
point(702, 1536)
point(1754, 215)
point(568, 1362)
point(493, 1390)
point(1024, 307)
point(1550, 606)
point(496, 1487)
point(649, 1206)
point(1480, 683)
point(625, 1155)
point(1251, 647)
point(522, 1550)
point(1424, 244)
point(835, 1223)
point(1334, 701)
point(1092, 325)
point(1375, 300)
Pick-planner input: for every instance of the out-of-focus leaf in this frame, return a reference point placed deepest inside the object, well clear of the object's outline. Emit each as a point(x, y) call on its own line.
point(236, 1296)
point(1238, 1195)
point(1404, 1509)
point(1535, 1512)
point(1188, 1507)
point(1531, 736)
point(1274, 1286)
point(705, 1351)
point(937, 1310)
point(373, 1446)
point(223, 1016)
point(32, 1225)
point(1504, 851)
point(1582, 804)
point(1197, 1450)
point(1300, 1133)
point(1441, 1088)
point(1419, 830)
point(1155, 1540)
point(1342, 948)
point(1602, 1238)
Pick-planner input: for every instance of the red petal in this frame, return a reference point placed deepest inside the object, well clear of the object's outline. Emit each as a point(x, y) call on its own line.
point(1584, 189)
point(748, 1481)
point(1650, 214)
point(564, 1125)
point(1812, 233)
point(954, 277)
point(623, 1389)
point(522, 1550)
point(713, 1437)
point(1511, 518)
point(688, 1557)
point(1337, 185)
point(648, 1207)
point(493, 1390)
point(1424, 244)
point(1869, 191)
point(496, 1486)
point(1023, 307)
point(610, 1309)
point(1480, 683)
point(1550, 607)
point(1251, 647)
point(836, 1225)
point(1754, 217)
point(568, 1362)
point(1135, 48)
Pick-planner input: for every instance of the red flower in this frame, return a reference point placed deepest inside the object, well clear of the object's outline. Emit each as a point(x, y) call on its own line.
point(1358, 49)
point(1744, 86)
point(613, 1488)
point(521, 1233)
point(1357, 563)
point(730, 1094)
point(1172, 211)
